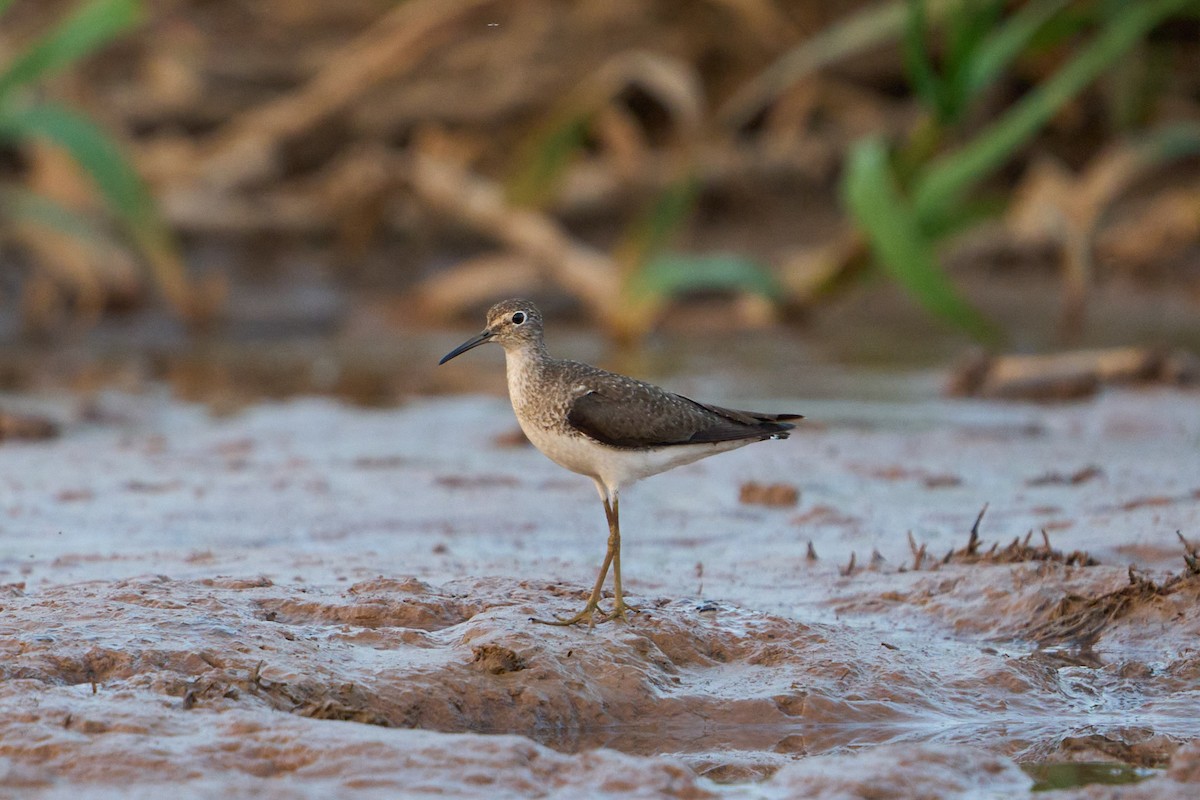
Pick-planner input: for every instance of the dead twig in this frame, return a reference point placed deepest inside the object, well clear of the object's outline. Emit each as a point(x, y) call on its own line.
point(1191, 556)
point(1081, 620)
point(1018, 550)
point(918, 553)
point(973, 542)
point(248, 149)
point(1066, 376)
point(582, 271)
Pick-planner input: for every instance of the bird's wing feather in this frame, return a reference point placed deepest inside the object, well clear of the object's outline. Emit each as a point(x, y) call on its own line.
point(636, 414)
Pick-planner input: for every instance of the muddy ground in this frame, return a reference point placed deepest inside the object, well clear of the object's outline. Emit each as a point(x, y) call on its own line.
point(310, 600)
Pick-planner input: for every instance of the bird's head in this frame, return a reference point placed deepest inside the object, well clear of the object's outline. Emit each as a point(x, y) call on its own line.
point(512, 324)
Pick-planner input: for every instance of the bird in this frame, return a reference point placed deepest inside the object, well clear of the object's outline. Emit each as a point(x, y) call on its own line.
point(608, 427)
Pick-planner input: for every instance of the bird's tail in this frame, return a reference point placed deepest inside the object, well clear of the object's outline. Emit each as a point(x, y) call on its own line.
point(770, 426)
point(776, 426)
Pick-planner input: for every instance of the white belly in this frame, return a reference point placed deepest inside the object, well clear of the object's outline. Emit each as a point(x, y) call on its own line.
point(617, 467)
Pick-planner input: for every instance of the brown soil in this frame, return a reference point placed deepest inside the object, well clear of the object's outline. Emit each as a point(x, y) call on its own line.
point(308, 600)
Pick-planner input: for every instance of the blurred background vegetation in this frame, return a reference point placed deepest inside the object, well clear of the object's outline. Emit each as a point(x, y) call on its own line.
point(996, 170)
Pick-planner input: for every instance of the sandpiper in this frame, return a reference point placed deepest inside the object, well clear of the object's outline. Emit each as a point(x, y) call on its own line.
point(613, 429)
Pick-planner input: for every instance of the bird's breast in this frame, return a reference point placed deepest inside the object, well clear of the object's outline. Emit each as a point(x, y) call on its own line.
point(537, 401)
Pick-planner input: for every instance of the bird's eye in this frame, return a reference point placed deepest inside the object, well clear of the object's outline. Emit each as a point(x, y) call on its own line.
point(518, 318)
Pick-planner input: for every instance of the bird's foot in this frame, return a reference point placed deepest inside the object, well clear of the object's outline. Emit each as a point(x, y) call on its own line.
point(591, 614)
point(621, 611)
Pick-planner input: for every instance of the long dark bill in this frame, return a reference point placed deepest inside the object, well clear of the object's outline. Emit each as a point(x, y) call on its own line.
point(473, 342)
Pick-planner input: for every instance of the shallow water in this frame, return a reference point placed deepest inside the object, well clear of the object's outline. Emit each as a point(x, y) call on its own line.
point(1052, 776)
point(374, 349)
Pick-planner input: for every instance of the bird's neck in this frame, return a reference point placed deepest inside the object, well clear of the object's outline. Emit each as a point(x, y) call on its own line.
point(524, 366)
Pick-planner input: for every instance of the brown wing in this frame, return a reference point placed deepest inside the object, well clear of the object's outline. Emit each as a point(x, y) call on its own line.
point(640, 415)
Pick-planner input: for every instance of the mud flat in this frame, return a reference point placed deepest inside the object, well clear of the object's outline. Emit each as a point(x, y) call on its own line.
point(310, 600)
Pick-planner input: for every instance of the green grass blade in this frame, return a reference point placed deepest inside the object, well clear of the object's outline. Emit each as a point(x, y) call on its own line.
point(90, 147)
point(118, 184)
point(967, 27)
point(1011, 39)
point(671, 274)
point(875, 24)
point(545, 157)
point(1169, 143)
point(918, 62)
point(668, 214)
point(949, 176)
point(93, 25)
point(653, 231)
point(21, 205)
point(870, 192)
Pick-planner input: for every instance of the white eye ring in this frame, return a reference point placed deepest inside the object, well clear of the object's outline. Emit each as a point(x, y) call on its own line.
point(518, 318)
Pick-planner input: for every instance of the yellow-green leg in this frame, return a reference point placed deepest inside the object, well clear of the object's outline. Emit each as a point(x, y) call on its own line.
point(593, 603)
point(592, 613)
point(612, 511)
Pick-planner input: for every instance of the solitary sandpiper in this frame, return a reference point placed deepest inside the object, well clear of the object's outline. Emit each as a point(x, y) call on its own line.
point(613, 429)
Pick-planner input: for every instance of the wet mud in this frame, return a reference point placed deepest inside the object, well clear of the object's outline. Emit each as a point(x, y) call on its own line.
point(308, 600)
